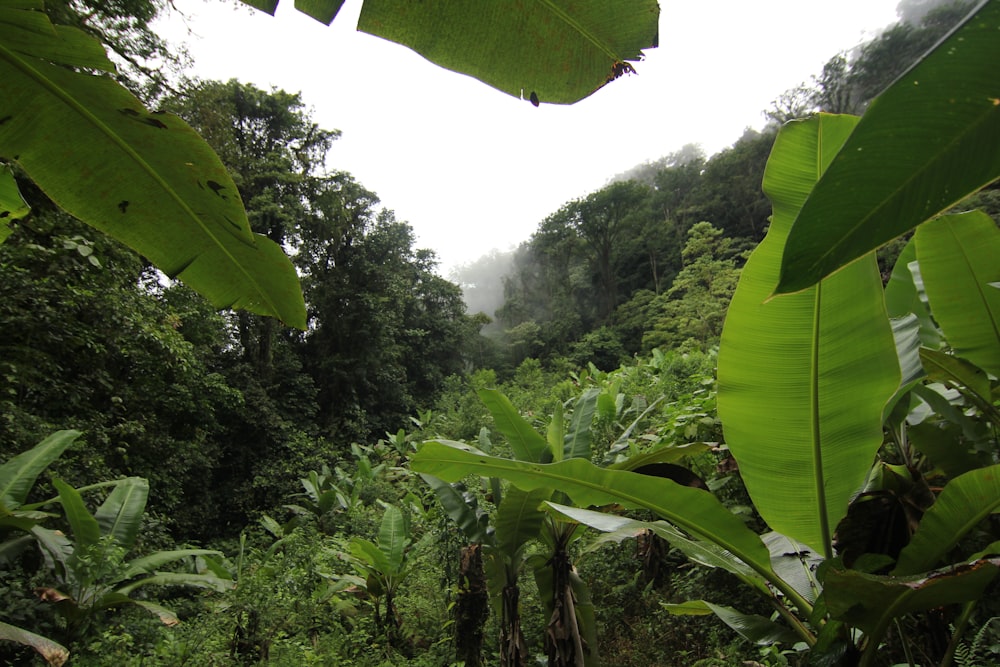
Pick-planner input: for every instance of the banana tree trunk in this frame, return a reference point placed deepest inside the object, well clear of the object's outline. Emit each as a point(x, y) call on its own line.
point(513, 650)
point(472, 608)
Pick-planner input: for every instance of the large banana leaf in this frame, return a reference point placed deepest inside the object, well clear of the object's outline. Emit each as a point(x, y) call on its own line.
point(120, 515)
point(18, 475)
point(962, 505)
point(146, 179)
point(803, 378)
point(958, 257)
point(924, 144)
point(556, 51)
point(697, 512)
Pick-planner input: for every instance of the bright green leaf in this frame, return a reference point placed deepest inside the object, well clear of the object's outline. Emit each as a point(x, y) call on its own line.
point(577, 442)
point(803, 378)
point(924, 144)
point(393, 538)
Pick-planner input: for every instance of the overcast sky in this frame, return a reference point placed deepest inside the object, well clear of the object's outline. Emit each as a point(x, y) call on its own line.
point(471, 168)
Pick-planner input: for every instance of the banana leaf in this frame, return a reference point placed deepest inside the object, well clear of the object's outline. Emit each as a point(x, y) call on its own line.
point(803, 378)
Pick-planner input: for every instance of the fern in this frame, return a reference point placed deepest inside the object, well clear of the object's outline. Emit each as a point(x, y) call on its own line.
point(974, 655)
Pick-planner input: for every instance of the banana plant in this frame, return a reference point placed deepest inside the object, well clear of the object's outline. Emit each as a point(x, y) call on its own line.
point(383, 566)
point(91, 571)
point(807, 379)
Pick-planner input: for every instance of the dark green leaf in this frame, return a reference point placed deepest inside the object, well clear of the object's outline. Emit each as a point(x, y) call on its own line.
point(924, 144)
point(871, 602)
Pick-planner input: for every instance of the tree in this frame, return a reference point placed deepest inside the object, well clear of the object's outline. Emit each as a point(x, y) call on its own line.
point(695, 305)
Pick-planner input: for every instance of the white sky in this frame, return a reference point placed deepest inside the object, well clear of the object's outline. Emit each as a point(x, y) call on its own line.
point(471, 168)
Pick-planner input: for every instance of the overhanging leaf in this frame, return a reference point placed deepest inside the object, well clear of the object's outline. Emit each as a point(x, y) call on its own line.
point(146, 179)
point(703, 553)
point(924, 144)
point(557, 51)
point(958, 259)
point(803, 377)
point(323, 11)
